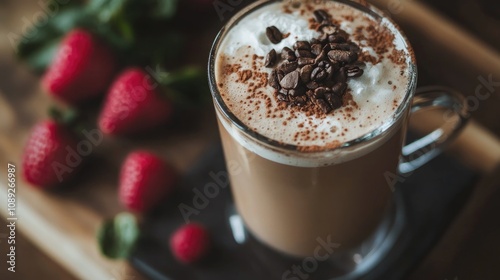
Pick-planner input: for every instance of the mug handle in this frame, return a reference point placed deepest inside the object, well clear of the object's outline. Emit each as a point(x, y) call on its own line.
point(422, 150)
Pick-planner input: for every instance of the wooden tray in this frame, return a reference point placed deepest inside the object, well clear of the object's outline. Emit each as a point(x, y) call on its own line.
point(63, 223)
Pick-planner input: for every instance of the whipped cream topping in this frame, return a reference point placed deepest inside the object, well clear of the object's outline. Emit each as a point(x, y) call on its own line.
point(372, 98)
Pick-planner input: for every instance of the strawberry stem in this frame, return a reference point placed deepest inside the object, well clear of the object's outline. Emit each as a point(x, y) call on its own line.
point(68, 117)
point(185, 87)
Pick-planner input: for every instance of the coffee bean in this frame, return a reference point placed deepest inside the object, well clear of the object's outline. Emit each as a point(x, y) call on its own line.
point(335, 39)
point(270, 58)
point(303, 53)
point(273, 79)
point(341, 33)
point(357, 63)
point(335, 66)
point(326, 48)
point(288, 54)
point(330, 70)
point(333, 100)
point(327, 28)
point(297, 91)
point(291, 80)
point(340, 76)
point(339, 88)
point(340, 46)
point(321, 56)
point(305, 61)
point(353, 47)
point(312, 85)
point(273, 34)
point(316, 49)
point(353, 57)
point(324, 64)
point(282, 97)
point(342, 56)
point(353, 71)
point(288, 66)
point(300, 100)
point(310, 94)
point(305, 73)
point(320, 15)
point(280, 74)
point(320, 92)
point(302, 45)
point(323, 38)
point(323, 105)
point(318, 74)
point(283, 91)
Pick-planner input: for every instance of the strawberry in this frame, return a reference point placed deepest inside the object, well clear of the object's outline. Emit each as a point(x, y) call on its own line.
point(49, 155)
point(145, 180)
point(81, 69)
point(190, 243)
point(133, 104)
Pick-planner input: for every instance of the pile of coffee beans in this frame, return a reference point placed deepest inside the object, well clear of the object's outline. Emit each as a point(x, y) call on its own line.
point(314, 73)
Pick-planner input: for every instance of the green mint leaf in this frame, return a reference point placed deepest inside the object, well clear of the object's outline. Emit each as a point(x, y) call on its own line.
point(117, 237)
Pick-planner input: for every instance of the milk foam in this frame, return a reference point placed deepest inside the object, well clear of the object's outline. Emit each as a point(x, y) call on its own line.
point(377, 93)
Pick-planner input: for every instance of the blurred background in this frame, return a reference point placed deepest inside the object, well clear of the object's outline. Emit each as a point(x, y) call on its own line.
point(457, 44)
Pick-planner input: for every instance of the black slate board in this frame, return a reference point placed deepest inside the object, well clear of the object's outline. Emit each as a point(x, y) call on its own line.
point(429, 198)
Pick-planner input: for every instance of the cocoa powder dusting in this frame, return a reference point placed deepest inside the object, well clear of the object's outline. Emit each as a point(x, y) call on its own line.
point(296, 93)
point(244, 75)
point(231, 68)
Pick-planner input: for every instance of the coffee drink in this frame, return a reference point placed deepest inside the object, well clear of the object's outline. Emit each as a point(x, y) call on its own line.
point(303, 88)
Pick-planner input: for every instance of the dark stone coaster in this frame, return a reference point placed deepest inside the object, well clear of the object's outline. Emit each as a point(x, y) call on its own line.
point(429, 199)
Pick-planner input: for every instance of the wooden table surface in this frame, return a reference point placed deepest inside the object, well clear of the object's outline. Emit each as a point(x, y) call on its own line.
point(62, 224)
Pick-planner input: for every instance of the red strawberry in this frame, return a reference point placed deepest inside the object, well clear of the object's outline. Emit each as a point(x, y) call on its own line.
point(48, 157)
point(82, 68)
point(190, 243)
point(145, 180)
point(133, 104)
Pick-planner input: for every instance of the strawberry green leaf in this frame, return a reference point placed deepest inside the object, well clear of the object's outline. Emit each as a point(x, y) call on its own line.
point(186, 87)
point(67, 117)
point(165, 9)
point(39, 48)
point(117, 237)
point(40, 57)
point(107, 10)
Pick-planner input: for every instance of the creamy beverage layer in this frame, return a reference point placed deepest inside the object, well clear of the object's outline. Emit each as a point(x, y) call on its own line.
point(370, 100)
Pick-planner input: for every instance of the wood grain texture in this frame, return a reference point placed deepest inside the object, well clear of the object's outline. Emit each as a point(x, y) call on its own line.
point(447, 55)
point(32, 263)
point(63, 222)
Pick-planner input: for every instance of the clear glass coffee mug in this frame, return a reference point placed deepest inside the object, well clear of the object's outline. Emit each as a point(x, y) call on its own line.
point(342, 194)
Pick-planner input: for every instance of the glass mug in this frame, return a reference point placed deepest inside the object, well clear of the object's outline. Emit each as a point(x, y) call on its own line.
point(342, 194)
